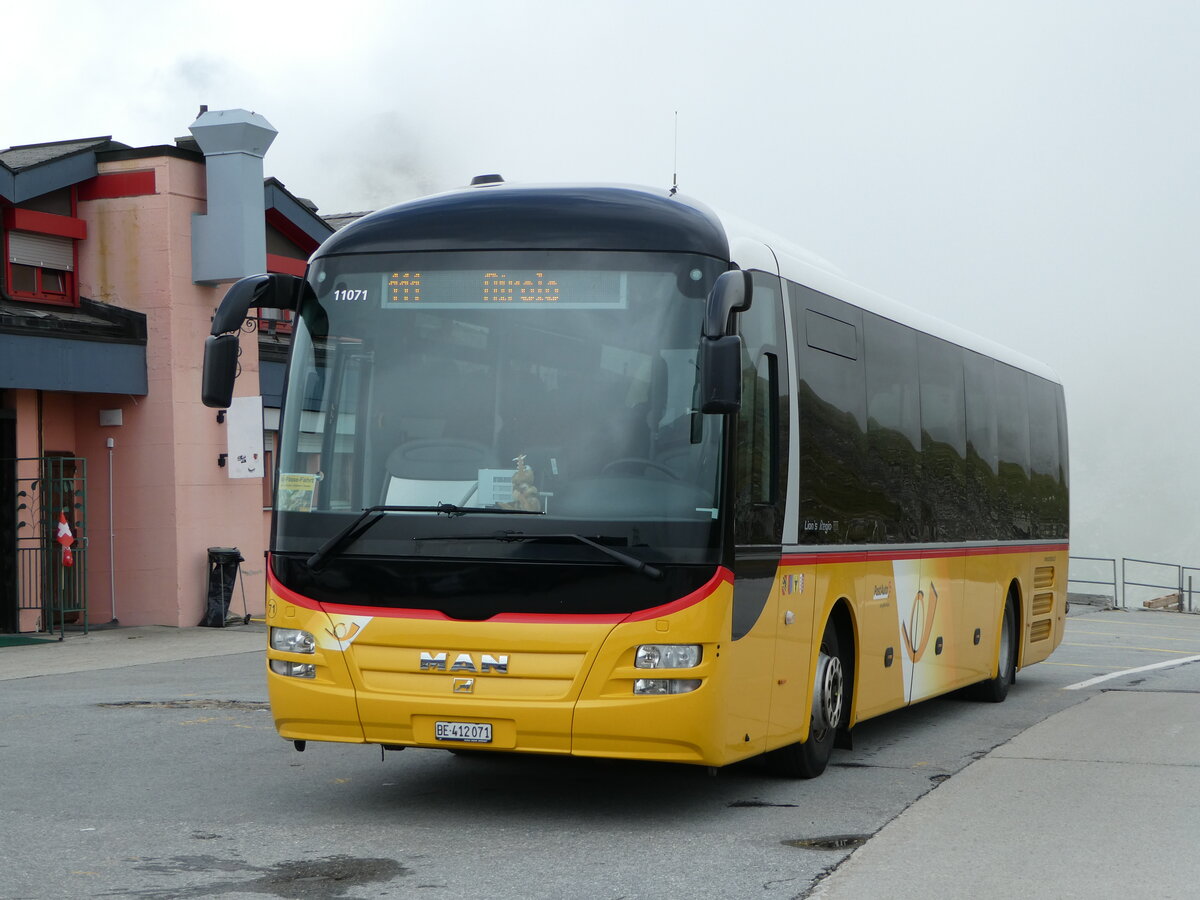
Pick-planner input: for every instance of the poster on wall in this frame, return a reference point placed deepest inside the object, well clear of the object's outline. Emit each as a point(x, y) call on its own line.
point(244, 425)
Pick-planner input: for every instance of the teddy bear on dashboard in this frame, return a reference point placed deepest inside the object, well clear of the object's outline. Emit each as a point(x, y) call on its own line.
point(524, 491)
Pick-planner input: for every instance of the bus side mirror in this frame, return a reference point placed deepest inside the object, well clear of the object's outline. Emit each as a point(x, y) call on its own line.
point(720, 357)
point(273, 291)
point(721, 374)
point(220, 370)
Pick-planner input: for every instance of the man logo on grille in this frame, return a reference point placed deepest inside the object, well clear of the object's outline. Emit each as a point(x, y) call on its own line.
point(464, 662)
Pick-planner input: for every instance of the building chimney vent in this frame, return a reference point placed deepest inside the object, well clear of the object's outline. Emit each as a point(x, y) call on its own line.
point(230, 241)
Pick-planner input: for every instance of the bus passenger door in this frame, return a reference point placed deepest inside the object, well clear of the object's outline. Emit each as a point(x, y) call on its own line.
point(796, 589)
point(753, 650)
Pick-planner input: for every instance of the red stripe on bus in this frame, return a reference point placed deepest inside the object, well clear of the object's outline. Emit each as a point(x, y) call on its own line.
point(860, 556)
point(287, 595)
point(722, 576)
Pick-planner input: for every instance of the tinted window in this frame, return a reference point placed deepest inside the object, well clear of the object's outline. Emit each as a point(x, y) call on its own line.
point(893, 423)
point(1064, 510)
point(1047, 479)
point(907, 438)
point(1012, 432)
point(982, 455)
point(837, 506)
point(1063, 445)
point(831, 335)
point(1043, 430)
point(943, 438)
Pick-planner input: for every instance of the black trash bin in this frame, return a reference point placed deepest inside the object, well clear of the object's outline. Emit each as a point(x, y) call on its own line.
point(223, 565)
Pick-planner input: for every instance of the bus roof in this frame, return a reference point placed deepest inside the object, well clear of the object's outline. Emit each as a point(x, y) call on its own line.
point(522, 217)
point(748, 244)
point(502, 216)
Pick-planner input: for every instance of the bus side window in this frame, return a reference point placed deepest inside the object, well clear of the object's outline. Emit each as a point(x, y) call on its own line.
point(1012, 432)
point(894, 425)
point(837, 504)
point(1048, 492)
point(982, 442)
point(943, 439)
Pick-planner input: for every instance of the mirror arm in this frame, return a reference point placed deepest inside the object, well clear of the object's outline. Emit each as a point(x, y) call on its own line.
point(730, 294)
point(274, 291)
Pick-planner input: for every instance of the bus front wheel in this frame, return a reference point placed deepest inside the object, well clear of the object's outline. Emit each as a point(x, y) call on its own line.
point(809, 758)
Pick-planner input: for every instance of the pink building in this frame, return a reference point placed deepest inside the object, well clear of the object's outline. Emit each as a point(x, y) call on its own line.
point(115, 258)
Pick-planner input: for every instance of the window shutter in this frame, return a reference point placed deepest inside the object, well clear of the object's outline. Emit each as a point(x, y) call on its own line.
point(47, 251)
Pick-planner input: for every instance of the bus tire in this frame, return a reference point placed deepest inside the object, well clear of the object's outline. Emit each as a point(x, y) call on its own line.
point(994, 690)
point(808, 759)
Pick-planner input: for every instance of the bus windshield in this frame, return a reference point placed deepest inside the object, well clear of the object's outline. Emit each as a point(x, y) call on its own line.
point(555, 390)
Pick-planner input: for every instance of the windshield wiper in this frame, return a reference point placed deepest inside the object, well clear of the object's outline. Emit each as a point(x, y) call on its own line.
point(372, 514)
point(623, 558)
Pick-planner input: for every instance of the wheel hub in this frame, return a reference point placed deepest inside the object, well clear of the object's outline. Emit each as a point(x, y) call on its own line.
point(828, 694)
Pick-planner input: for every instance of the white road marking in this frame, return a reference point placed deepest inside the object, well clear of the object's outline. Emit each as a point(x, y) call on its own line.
point(1123, 672)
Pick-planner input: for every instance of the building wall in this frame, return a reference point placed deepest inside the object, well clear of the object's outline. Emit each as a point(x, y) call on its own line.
point(170, 500)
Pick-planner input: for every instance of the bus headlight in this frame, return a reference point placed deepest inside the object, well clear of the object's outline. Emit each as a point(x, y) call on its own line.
point(665, 685)
point(293, 669)
point(667, 656)
point(292, 640)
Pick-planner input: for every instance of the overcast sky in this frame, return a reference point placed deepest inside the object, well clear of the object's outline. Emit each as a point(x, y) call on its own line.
point(1025, 169)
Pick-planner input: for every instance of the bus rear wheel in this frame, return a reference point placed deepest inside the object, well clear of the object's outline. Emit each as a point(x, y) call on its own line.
point(994, 690)
point(808, 759)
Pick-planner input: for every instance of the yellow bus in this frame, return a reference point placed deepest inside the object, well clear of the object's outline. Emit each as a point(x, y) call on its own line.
point(596, 471)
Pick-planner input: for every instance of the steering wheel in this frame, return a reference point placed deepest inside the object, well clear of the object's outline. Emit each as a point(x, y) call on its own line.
point(639, 461)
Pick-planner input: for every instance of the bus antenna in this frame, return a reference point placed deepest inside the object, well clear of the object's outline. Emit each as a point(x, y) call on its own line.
point(675, 160)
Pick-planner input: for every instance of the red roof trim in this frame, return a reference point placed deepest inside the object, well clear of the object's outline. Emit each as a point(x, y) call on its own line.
point(18, 219)
point(286, 265)
point(118, 184)
point(291, 231)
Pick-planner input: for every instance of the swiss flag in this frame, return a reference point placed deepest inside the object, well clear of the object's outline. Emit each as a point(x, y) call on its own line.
point(65, 538)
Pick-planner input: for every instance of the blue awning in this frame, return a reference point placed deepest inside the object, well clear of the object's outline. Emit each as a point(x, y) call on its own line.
point(48, 363)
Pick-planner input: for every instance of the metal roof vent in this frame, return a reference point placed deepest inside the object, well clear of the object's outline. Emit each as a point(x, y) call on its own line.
point(486, 180)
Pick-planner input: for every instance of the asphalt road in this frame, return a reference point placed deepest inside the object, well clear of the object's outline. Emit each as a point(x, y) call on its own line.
point(166, 780)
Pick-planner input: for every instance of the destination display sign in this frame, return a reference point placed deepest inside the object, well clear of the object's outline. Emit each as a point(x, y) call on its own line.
point(504, 288)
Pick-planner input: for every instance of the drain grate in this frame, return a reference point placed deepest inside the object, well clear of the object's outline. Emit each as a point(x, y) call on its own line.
point(251, 705)
point(755, 804)
point(833, 842)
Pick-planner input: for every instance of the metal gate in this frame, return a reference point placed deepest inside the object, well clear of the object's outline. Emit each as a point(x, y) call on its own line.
point(51, 551)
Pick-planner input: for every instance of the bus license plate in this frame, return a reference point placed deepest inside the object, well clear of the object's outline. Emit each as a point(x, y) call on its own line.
point(471, 732)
